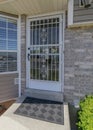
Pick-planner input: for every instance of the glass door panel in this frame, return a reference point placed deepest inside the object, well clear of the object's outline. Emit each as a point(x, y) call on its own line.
point(44, 49)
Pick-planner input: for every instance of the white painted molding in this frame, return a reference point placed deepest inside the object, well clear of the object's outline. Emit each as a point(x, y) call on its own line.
point(6, 1)
point(70, 11)
point(52, 14)
point(19, 54)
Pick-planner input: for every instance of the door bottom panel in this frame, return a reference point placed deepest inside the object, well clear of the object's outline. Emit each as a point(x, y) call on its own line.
point(44, 94)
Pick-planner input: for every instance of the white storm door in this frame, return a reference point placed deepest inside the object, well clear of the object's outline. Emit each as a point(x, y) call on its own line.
point(45, 49)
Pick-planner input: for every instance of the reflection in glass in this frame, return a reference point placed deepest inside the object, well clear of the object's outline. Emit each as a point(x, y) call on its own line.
point(45, 68)
point(3, 45)
point(46, 34)
point(12, 66)
point(8, 61)
point(44, 61)
point(2, 22)
point(12, 56)
point(8, 44)
point(12, 61)
point(2, 33)
point(3, 56)
point(12, 45)
point(45, 50)
point(3, 62)
point(12, 24)
point(12, 35)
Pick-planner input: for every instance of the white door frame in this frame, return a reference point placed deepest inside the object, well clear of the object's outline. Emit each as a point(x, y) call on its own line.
point(62, 25)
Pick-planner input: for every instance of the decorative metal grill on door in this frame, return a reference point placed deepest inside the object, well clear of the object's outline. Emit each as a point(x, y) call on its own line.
point(44, 49)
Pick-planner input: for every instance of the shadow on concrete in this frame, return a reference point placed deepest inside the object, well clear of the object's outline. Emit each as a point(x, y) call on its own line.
point(73, 117)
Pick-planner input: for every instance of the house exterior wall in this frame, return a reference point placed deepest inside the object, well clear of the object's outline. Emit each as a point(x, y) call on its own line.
point(82, 14)
point(78, 63)
point(8, 89)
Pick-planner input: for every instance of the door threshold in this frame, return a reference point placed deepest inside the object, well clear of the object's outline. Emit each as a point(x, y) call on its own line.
point(44, 94)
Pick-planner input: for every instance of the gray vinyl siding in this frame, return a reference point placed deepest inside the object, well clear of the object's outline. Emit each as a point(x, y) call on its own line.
point(82, 14)
point(8, 89)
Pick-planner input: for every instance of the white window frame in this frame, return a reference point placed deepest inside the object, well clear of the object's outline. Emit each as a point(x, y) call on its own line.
point(71, 15)
point(80, 4)
point(83, 4)
point(12, 72)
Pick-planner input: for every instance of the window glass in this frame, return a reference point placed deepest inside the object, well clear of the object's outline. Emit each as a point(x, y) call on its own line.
point(2, 33)
point(12, 56)
point(12, 61)
point(3, 44)
point(12, 66)
point(12, 24)
point(44, 53)
point(2, 22)
point(85, 3)
point(12, 45)
point(3, 61)
point(12, 34)
point(8, 45)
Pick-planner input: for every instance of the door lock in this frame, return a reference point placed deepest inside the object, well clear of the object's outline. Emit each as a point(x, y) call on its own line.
point(28, 56)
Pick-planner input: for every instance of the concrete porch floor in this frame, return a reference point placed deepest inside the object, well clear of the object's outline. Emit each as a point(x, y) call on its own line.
point(11, 121)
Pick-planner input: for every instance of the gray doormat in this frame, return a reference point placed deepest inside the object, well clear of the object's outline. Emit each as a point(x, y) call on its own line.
point(40, 109)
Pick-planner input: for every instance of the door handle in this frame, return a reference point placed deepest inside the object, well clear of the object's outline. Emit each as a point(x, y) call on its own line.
point(28, 56)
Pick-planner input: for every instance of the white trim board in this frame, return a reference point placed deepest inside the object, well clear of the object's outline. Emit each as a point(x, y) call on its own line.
point(14, 72)
point(10, 17)
point(6, 1)
point(52, 14)
point(70, 12)
point(19, 54)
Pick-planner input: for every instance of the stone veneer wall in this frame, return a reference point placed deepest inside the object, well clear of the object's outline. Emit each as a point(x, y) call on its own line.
point(78, 63)
point(23, 52)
